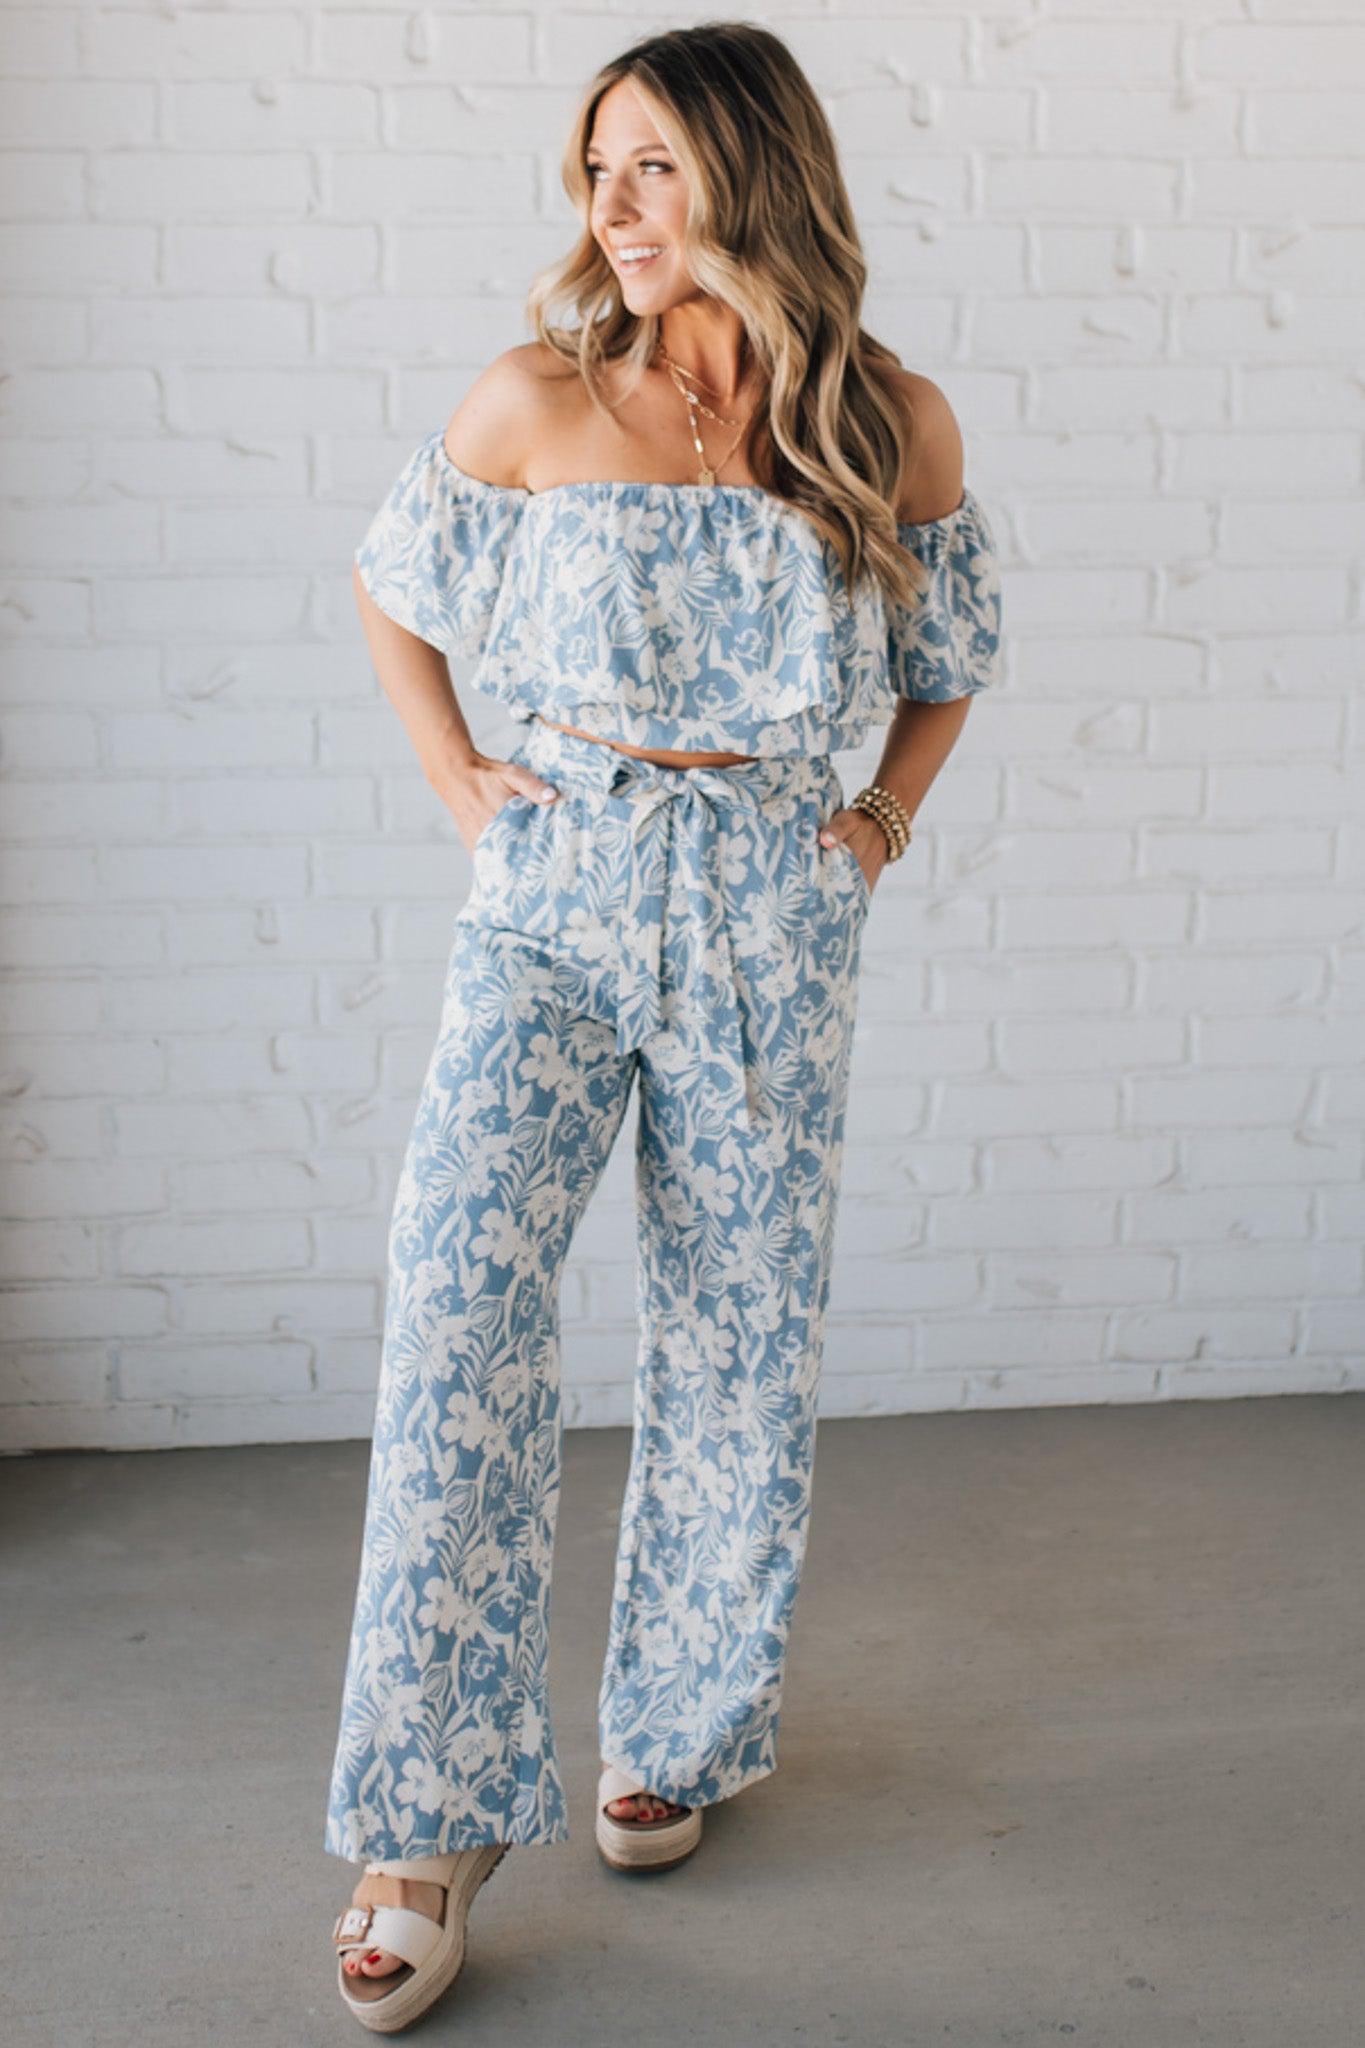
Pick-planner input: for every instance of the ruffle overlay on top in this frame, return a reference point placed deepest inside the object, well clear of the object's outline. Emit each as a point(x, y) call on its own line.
point(710, 618)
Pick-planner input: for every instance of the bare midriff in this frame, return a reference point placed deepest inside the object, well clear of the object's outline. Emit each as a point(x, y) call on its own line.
point(663, 758)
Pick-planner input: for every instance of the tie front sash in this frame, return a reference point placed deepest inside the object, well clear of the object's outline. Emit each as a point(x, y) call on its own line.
point(679, 906)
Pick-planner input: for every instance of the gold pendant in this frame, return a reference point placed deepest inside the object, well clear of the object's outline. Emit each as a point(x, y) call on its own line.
point(706, 476)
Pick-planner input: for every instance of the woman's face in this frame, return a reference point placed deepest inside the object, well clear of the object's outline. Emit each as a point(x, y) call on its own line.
point(639, 201)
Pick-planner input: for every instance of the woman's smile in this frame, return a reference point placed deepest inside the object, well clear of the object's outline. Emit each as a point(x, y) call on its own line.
point(638, 256)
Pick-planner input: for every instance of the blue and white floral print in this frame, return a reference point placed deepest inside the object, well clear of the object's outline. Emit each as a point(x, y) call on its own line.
point(706, 618)
point(682, 931)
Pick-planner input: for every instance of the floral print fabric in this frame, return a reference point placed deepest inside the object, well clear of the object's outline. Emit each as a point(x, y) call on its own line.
point(682, 931)
point(706, 618)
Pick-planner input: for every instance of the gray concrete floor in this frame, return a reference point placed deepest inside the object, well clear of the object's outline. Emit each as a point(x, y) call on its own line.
point(1071, 1750)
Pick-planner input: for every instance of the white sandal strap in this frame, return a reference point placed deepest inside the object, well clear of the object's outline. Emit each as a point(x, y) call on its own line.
point(419, 1870)
point(393, 1928)
point(616, 1784)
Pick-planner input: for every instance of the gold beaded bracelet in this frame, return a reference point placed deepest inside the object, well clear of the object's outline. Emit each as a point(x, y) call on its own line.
point(889, 812)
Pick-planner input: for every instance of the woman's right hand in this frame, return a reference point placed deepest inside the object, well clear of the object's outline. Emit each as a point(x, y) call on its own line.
point(475, 788)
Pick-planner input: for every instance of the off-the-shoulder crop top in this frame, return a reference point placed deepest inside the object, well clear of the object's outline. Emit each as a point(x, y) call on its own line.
point(708, 618)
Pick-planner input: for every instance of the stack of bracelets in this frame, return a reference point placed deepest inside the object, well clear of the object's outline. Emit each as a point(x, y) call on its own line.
point(890, 814)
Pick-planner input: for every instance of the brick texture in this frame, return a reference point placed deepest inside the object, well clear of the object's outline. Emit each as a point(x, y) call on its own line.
point(1105, 1137)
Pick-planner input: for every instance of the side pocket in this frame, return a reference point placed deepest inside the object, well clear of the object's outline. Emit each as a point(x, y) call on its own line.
point(859, 873)
point(517, 797)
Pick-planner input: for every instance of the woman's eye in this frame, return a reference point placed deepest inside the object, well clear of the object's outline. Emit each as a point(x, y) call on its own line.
point(646, 164)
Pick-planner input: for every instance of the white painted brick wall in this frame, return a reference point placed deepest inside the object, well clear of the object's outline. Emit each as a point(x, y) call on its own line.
point(1105, 1138)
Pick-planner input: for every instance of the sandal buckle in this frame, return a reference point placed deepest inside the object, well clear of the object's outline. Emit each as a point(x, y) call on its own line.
point(354, 1924)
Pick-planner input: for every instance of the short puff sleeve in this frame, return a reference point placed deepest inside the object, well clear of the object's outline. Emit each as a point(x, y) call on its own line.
point(434, 554)
point(947, 644)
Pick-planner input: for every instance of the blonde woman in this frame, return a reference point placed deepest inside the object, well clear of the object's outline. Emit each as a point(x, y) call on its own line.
point(696, 541)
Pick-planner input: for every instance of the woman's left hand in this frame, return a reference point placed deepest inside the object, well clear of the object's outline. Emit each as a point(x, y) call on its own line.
point(864, 838)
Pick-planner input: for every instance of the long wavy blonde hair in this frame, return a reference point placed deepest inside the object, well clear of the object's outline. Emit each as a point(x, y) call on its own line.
point(770, 232)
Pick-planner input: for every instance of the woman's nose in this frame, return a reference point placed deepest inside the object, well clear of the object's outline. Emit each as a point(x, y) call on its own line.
point(613, 204)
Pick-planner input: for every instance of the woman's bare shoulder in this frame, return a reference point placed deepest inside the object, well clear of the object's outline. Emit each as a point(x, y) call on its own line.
point(503, 414)
point(932, 475)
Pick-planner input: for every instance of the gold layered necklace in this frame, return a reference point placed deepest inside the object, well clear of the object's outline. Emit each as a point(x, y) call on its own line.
point(684, 379)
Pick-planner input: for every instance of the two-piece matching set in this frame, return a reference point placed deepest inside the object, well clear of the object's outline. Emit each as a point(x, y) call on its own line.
point(677, 929)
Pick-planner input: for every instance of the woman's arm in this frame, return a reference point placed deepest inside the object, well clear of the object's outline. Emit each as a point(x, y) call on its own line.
point(413, 674)
point(920, 736)
point(414, 677)
point(919, 740)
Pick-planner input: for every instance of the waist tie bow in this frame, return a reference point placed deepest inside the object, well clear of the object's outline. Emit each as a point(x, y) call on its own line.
point(664, 802)
point(670, 801)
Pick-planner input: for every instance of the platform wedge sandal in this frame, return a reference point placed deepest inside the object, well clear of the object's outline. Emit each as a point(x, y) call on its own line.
point(432, 1951)
point(639, 1845)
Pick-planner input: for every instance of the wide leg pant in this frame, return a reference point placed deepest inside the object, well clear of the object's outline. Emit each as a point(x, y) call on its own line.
point(683, 926)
